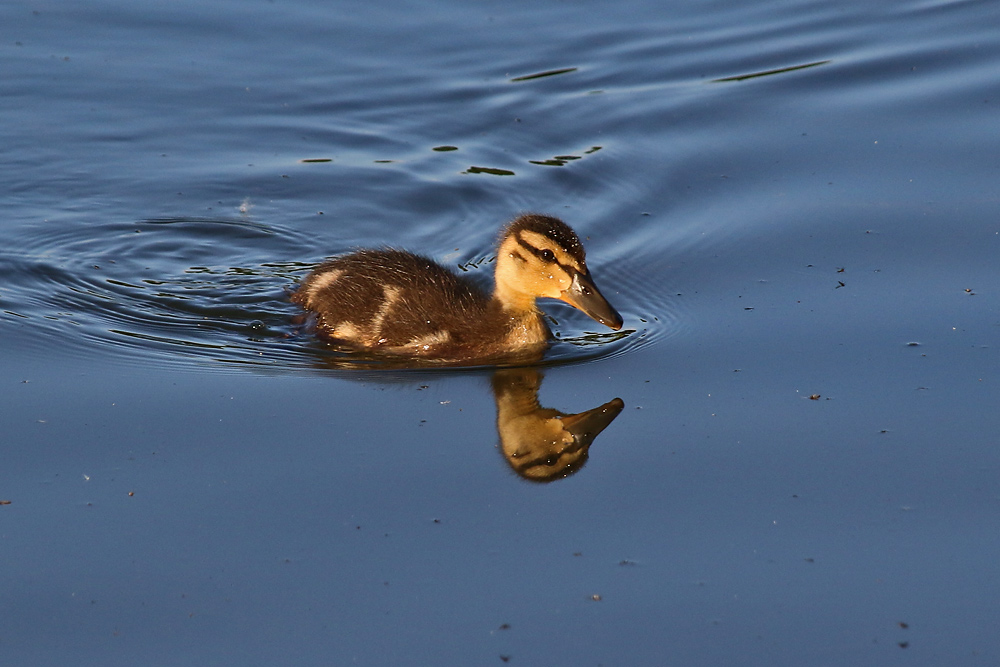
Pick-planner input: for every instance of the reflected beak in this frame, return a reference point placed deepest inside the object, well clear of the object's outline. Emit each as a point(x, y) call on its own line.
point(586, 426)
point(583, 294)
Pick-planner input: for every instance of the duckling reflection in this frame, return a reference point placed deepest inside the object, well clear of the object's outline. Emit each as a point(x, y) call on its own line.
point(542, 444)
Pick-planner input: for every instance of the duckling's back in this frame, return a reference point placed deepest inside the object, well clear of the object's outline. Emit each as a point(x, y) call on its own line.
point(399, 303)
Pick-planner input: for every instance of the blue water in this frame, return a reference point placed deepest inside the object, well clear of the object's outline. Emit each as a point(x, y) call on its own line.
point(793, 205)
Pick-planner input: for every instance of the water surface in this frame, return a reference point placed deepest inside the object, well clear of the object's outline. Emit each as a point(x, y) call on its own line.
point(793, 206)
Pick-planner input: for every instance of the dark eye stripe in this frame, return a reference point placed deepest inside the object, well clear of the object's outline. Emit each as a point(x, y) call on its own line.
point(539, 253)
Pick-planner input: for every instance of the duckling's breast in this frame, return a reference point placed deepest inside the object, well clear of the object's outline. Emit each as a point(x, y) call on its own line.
point(397, 303)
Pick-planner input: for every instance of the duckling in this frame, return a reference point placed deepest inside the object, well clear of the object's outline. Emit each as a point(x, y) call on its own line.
point(394, 302)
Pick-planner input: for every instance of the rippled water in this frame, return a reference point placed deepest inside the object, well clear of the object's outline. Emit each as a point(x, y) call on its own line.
point(793, 205)
point(212, 293)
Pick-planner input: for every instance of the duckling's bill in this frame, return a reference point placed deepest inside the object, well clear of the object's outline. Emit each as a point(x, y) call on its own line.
point(585, 426)
point(583, 294)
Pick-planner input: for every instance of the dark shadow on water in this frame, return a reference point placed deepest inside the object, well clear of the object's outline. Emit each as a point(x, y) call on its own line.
point(543, 75)
point(779, 70)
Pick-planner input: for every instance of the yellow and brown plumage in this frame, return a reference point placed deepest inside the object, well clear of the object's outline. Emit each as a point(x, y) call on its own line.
point(394, 302)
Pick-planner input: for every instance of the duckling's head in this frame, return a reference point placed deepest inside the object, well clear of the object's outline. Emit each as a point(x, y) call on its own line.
point(540, 256)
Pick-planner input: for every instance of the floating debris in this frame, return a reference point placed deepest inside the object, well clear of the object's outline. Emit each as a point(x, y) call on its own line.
point(542, 75)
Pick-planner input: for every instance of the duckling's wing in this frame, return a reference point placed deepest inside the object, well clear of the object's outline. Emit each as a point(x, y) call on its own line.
point(391, 299)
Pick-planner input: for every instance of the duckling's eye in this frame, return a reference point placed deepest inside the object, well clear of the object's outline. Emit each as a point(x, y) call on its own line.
point(548, 255)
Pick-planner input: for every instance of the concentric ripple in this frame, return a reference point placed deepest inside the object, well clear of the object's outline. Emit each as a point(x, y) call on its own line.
point(208, 293)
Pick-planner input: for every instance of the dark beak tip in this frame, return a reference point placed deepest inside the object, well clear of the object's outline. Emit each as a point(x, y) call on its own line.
point(612, 320)
point(585, 296)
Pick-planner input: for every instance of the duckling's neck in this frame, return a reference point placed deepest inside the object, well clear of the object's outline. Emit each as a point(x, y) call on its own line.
point(523, 321)
point(515, 302)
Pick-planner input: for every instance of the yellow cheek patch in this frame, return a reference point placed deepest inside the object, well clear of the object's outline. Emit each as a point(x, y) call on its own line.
point(561, 278)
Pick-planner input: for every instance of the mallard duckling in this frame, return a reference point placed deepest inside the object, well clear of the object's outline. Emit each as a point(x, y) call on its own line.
point(394, 302)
